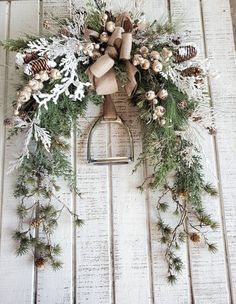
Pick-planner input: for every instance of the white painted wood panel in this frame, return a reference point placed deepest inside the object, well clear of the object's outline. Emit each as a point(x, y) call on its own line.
point(17, 276)
point(162, 292)
point(3, 75)
point(130, 236)
point(115, 258)
point(220, 49)
point(62, 289)
point(93, 252)
point(205, 288)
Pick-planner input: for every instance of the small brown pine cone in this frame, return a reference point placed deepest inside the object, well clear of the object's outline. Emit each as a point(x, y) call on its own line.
point(46, 24)
point(40, 262)
point(64, 32)
point(192, 71)
point(182, 104)
point(9, 122)
point(35, 223)
point(185, 53)
point(197, 118)
point(38, 65)
point(30, 56)
point(195, 237)
point(212, 130)
point(183, 195)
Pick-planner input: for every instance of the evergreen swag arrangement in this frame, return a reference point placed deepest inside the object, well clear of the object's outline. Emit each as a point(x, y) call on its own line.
point(62, 73)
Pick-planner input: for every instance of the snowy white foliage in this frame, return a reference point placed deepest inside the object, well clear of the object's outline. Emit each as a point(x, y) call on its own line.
point(15, 164)
point(187, 85)
point(43, 135)
point(32, 131)
point(65, 48)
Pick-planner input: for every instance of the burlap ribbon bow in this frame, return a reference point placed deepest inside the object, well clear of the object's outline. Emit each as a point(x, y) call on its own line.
point(101, 73)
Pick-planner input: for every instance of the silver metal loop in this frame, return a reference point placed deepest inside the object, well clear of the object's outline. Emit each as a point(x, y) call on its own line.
point(110, 160)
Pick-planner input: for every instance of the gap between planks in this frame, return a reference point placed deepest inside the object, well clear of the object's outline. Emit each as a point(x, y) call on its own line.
point(149, 238)
point(219, 179)
point(5, 98)
point(111, 221)
point(74, 228)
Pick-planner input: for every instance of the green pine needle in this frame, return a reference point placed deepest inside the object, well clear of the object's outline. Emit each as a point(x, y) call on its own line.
point(171, 279)
point(21, 211)
point(212, 247)
point(163, 207)
point(56, 264)
point(78, 222)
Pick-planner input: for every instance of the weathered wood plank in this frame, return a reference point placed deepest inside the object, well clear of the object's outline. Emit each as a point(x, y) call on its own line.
point(233, 15)
point(57, 8)
point(93, 270)
point(205, 287)
point(14, 270)
point(93, 263)
point(164, 292)
point(131, 264)
point(61, 291)
point(4, 8)
point(220, 51)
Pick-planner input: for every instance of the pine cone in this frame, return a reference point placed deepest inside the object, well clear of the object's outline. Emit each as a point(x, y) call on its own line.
point(35, 223)
point(40, 262)
point(212, 130)
point(64, 32)
point(183, 195)
point(197, 118)
point(182, 104)
point(9, 122)
point(195, 237)
point(185, 53)
point(192, 71)
point(30, 57)
point(38, 65)
point(46, 24)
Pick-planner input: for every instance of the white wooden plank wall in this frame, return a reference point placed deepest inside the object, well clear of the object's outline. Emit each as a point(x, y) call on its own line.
point(204, 288)
point(115, 258)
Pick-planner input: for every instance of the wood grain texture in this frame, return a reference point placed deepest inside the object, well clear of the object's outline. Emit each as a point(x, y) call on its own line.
point(13, 270)
point(220, 50)
point(4, 9)
point(57, 8)
point(131, 264)
point(180, 293)
point(116, 257)
point(205, 288)
point(62, 289)
point(233, 15)
point(93, 260)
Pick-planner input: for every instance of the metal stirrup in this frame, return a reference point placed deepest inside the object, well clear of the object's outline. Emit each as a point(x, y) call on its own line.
point(110, 116)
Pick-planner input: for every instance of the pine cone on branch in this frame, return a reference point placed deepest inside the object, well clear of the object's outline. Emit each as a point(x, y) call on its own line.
point(195, 237)
point(40, 262)
point(185, 53)
point(191, 71)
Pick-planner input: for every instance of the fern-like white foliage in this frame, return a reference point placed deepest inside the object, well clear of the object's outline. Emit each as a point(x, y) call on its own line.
point(16, 163)
point(32, 131)
point(187, 85)
point(43, 135)
point(67, 50)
